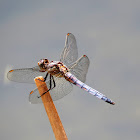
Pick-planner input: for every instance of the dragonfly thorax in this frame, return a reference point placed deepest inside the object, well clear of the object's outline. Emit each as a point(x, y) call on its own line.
point(57, 68)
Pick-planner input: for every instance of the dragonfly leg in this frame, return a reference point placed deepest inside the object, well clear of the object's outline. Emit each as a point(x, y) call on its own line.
point(50, 81)
point(51, 78)
point(45, 77)
point(53, 82)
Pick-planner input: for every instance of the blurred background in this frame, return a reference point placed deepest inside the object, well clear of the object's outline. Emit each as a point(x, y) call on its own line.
point(108, 32)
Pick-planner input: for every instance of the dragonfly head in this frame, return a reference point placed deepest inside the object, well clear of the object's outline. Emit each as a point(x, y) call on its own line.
point(43, 64)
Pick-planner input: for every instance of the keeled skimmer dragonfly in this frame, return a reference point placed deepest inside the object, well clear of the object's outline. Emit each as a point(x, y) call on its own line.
point(62, 74)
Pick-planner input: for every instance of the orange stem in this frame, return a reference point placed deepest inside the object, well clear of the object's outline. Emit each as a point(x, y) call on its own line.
point(53, 116)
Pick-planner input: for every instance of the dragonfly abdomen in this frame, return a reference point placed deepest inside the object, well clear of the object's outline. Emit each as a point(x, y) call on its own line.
point(71, 78)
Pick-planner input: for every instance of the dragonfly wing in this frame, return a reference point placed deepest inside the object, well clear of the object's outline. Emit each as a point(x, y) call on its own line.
point(80, 68)
point(25, 75)
point(63, 87)
point(70, 52)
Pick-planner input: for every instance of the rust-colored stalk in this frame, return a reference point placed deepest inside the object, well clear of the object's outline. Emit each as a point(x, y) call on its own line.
point(53, 116)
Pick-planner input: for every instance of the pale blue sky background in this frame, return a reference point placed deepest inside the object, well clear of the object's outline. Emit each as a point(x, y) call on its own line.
point(108, 32)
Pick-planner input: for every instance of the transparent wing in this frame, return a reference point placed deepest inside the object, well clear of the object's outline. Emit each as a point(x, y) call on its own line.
point(25, 75)
point(63, 87)
point(70, 52)
point(80, 68)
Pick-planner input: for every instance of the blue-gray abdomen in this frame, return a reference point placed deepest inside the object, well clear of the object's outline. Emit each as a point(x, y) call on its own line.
point(71, 78)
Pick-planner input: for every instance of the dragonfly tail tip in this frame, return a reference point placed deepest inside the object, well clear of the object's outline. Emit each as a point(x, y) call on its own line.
point(110, 102)
point(113, 103)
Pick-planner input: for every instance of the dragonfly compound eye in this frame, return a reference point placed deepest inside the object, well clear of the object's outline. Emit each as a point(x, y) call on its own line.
point(46, 61)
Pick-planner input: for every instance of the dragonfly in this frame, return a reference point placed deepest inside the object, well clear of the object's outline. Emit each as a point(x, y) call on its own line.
point(59, 76)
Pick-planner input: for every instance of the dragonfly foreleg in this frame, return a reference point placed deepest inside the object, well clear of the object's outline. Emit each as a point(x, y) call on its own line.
point(50, 81)
point(45, 77)
point(53, 82)
point(51, 78)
